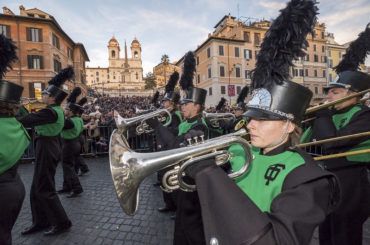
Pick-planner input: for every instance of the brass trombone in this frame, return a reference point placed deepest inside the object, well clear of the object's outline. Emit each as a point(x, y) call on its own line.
point(215, 118)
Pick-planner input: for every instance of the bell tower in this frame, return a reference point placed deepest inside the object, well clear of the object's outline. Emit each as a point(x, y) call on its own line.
point(135, 50)
point(113, 50)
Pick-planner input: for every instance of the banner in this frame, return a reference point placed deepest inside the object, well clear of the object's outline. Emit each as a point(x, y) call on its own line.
point(231, 90)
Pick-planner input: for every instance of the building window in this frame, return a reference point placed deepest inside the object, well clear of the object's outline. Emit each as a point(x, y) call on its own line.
point(323, 73)
point(316, 90)
point(57, 66)
point(35, 62)
point(97, 73)
point(222, 71)
point(136, 55)
point(306, 72)
point(340, 55)
point(316, 58)
point(208, 52)
point(330, 63)
point(301, 72)
point(323, 59)
point(246, 36)
point(209, 72)
point(247, 54)
point(247, 74)
point(322, 35)
point(33, 34)
point(198, 78)
point(257, 39)
point(295, 72)
point(236, 50)
point(221, 50)
point(223, 90)
point(315, 73)
point(113, 54)
point(210, 91)
point(323, 48)
point(197, 60)
point(329, 53)
point(256, 52)
point(314, 47)
point(70, 53)
point(137, 76)
point(238, 89)
point(307, 57)
point(56, 41)
point(330, 77)
point(237, 71)
point(5, 30)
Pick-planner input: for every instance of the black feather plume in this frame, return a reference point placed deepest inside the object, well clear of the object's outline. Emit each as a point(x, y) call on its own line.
point(284, 42)
point(243, 94)
point(186, 80)
point(155, 98)
point(356, 52)
point(73, 96)
point(7, 54)
point(82, 101)
point(220, 104)
point(176, 98)
point(62, 76)
point(170, 86)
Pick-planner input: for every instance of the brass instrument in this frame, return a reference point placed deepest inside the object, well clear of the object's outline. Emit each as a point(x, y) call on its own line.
point(124, 123)
point(240, 124)
point(344, 154)
point(26, 101)
point(319, 107)
point(130, 168)
point(214, 118)
point(345, 137)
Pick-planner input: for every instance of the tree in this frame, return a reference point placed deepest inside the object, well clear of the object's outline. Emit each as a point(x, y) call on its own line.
point(150, 82)
point(165, 59)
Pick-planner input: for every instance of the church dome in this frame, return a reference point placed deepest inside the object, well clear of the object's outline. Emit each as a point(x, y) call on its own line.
point(135, 43)
point(113, 42)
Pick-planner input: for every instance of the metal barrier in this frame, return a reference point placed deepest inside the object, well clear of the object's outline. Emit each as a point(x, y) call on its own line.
point(98, 143)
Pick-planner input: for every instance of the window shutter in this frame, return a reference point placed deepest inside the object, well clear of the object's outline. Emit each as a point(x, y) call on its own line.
point(42, 86)
point(250, 54)
point(29, 61)
point(41, 62)
point(8, 31)
point(32, 90)
point(28, 34)
point(40, 35)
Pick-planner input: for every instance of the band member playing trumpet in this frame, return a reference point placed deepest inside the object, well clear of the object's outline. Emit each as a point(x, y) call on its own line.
point(14, 139)
point(284, 194)
point(47, 210)
point(188, 222)
point(344, 226)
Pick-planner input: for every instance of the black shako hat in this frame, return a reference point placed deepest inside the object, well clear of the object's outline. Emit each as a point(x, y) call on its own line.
point(9, 91)
point(348, 75)
point(191, 93)
point(170, 94)
point(54, 89)
point(240, 101)
point(274, 97)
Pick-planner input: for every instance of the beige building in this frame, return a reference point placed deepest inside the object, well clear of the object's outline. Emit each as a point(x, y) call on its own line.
point(43, 50)
point(162, 73)
point(122, 73)
point(225, 60)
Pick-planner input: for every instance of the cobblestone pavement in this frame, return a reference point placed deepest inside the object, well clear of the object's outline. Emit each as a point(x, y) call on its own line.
point(97, 217)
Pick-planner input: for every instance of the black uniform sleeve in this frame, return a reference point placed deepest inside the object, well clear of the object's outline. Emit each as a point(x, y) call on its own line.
point(324, 128)
point(232, 218)
point(44, 116)
point(68, 124)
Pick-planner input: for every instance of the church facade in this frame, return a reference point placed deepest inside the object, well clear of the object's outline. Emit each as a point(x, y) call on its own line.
point(122, 73)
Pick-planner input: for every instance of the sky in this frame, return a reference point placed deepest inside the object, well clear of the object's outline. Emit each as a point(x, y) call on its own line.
point(174, 27)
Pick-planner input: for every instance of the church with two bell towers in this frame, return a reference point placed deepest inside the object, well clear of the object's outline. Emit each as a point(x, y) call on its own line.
point(122, 73)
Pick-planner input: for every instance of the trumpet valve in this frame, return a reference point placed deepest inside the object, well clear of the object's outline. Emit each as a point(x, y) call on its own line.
point(202, 138)
point(189, 141)
point(196, 139)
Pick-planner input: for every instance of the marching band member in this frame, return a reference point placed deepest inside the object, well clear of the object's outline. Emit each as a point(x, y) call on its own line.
point(284, 194)
point(14, 141)
point(47, 210)
point(73, 127)
point(170, 101)
point(344, 226)
point(188, 222)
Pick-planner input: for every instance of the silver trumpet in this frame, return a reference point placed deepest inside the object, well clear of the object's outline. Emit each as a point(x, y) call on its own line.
point(143, 127)
point(130, 168)
point(215, 118)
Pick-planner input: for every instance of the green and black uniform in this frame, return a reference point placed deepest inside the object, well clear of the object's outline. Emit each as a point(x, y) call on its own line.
point(14, 140)
point(73, 127)
point(281, 198)
point(344, 226)
point(45, 204)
